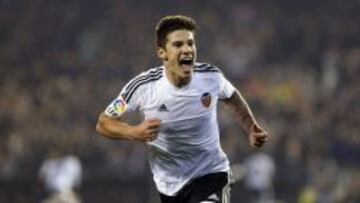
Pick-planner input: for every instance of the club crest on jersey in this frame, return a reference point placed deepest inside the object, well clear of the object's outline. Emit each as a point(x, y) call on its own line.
point(206, 99)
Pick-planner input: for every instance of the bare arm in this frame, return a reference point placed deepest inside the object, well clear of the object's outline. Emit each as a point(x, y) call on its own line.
point(119, 129)
point(242, 111)
point(246, 119)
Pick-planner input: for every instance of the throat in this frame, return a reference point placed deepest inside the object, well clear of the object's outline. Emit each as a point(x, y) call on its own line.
point(177, 80)
point(183, 82)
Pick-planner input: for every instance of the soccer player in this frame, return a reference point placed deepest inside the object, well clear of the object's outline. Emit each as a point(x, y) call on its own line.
point(178, 101)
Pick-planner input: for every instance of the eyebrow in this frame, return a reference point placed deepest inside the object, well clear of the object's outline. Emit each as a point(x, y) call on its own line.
point(180, 41)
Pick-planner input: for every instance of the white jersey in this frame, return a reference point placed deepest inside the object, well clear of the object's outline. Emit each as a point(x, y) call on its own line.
point(188, 144)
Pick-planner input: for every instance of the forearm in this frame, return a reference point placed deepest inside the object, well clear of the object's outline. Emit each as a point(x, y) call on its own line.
point(242, 111)
point(114, 129)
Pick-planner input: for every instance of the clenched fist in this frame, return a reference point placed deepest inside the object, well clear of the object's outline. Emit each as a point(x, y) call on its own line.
point(147, 130)
point(257, 136)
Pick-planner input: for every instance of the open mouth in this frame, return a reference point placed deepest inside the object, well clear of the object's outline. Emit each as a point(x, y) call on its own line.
point(186, 64)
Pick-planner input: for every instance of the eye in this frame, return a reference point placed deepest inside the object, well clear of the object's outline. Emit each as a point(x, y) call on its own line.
point(177, 44)
point(191, 43)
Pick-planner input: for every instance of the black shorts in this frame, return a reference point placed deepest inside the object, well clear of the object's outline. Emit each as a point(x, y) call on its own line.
point(210, 188)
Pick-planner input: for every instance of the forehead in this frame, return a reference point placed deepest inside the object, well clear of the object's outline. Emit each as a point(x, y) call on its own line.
point(180, 35)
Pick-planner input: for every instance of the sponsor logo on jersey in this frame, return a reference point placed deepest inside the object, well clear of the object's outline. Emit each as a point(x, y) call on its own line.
point(163, 108)
point(211, 199)
point(214, 198)
point(206, 99)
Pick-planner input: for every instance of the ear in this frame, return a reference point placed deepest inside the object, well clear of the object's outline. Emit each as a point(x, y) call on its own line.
point(162, 53)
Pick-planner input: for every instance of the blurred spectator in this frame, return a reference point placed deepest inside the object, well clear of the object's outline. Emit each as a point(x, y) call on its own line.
point(260, 171)
point(61, 175)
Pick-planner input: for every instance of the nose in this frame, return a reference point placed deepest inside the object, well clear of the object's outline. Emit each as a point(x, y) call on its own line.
point(187, 49)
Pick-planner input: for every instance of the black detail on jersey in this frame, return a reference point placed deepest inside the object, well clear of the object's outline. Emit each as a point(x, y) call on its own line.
point(205, 67)
point(202, 65)
point(163, 108)
point(140, 77)
point(139, 80)
point(134, 82)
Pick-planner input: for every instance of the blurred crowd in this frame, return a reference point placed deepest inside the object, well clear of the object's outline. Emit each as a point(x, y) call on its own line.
point(296, 62)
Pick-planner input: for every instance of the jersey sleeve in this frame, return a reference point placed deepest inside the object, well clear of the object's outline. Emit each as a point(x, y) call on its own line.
point(127, 101)
point(134, 93)
point(226, 88)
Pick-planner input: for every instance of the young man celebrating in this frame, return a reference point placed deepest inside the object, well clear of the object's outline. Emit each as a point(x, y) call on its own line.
point(179, 101)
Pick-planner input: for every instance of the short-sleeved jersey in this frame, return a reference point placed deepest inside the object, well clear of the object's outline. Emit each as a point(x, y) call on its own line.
point(188, 144)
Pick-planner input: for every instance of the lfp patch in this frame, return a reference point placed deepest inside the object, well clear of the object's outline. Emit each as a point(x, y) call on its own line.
point(206, 99)
point(119, 106)
point(116, 108)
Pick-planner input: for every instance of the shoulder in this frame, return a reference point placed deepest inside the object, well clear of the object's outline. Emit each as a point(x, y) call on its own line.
point(209, 73)
point(206, 68)
point(142, 79)
point(145, 77)
point(149, 74)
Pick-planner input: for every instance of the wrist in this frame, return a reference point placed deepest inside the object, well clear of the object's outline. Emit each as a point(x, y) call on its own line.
point(252, 126)
point(132, 132)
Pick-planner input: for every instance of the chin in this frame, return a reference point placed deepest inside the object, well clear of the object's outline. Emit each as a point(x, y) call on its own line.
point(187, 77)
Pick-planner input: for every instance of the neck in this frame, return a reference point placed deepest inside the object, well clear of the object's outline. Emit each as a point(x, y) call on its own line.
point(176, 80)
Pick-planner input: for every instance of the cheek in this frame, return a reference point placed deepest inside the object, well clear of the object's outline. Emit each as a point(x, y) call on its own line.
point(173, 56)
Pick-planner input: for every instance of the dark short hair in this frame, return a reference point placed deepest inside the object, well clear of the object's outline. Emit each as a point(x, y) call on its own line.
point(171, 23)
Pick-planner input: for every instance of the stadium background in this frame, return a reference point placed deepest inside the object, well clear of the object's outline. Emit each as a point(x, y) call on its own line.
point(297, 63)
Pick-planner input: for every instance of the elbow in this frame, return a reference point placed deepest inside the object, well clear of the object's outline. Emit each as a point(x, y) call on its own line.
point(107, 127)
point(100, 125)
point(99, 129)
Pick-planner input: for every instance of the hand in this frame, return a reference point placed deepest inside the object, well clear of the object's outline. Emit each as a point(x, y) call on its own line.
point(147, 130)
point(257, 136)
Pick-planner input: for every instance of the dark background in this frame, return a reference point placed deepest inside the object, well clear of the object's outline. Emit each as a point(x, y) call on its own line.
point(297, 62)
